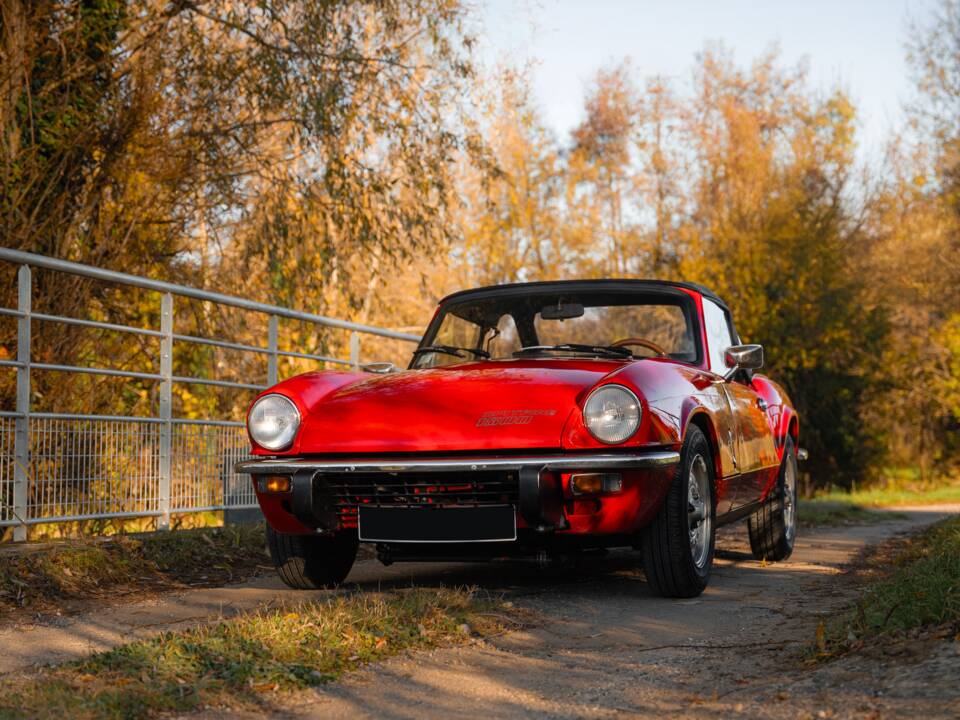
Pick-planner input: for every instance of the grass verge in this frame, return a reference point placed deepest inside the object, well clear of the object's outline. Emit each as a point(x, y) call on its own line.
point(887, 496)
point(95, 569)
point(860, 507)
point(919, 593)
point(239, 662)
point(821, 511)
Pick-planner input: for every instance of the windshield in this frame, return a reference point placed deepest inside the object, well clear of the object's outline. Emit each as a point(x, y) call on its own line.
point(573, 324)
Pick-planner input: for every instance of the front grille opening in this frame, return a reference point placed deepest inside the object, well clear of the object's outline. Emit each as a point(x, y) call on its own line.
point(348, 491)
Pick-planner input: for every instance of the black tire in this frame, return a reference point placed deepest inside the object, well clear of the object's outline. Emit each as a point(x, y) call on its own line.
point(773, 528)
point(668, 552)
point(310, 562)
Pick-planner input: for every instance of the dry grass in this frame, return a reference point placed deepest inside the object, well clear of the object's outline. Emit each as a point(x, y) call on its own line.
point(94, 569)
point(242, 661)
point(916, 592)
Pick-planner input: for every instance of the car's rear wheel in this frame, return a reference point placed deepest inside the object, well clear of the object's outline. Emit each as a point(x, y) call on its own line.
point(773, 528)
point(309, 562)
point(678, 545)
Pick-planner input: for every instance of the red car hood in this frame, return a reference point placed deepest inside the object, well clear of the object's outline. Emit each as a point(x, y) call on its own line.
point(502, 405)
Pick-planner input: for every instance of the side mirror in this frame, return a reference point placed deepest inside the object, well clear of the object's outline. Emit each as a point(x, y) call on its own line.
point(742, 357)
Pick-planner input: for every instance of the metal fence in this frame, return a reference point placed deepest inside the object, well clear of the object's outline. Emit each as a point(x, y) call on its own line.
point(57, 467)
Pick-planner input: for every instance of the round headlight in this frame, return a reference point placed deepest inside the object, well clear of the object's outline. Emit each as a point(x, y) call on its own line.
point(612, 414)
point(273, 422)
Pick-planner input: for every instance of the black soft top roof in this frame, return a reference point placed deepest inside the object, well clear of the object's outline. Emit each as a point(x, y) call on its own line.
point(583, 285)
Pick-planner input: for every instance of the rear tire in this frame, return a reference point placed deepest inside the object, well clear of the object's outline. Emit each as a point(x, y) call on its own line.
point(311, 562)
point(773, 528)
point(678, 545)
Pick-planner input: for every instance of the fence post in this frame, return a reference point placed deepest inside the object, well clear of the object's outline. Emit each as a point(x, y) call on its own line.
point(166, 409)
point(272, 340)
point(21, 437)
point(355, 350)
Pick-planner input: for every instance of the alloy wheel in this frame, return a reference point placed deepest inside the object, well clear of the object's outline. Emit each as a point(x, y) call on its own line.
point(790, 499)
point(699, 517)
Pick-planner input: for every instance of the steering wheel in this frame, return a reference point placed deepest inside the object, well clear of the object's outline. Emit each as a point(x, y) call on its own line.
point(642, 343)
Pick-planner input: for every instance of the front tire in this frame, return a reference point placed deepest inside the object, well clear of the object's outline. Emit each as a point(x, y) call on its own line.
point(311, 562)
point(773, 528)
point(678, 545)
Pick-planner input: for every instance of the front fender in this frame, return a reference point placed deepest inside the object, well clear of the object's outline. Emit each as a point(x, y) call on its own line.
point(306, 391)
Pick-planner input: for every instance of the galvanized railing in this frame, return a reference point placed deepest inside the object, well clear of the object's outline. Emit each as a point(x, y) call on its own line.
point(59, 467)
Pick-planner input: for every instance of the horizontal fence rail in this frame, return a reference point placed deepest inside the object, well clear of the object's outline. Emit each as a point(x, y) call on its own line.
point(64, 467)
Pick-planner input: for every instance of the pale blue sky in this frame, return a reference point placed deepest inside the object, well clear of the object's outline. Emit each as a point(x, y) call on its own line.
point(856, 44)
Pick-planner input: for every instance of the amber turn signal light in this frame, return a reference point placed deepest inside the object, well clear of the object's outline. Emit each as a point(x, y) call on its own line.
point(592, 483)
point(275, 484)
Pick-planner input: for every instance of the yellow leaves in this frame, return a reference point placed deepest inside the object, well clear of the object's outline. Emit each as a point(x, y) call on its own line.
point(265, 687)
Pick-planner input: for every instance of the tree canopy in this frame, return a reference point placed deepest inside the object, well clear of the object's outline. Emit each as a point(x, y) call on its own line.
point(351, 158)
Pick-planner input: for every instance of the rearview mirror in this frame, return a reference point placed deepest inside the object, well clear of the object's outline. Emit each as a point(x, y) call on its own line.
point(743, 357)
point(562, 311)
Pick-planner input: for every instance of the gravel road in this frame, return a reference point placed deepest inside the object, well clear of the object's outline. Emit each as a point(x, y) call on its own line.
point(609, 647)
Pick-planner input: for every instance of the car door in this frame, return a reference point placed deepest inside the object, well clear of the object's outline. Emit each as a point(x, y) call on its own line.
point(756, 450)
point(754, 447)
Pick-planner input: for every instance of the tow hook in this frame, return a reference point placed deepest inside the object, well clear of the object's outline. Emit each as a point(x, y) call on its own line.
point(384, 555)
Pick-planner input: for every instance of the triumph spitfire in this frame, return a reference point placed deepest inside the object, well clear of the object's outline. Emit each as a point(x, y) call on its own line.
point(535, 419)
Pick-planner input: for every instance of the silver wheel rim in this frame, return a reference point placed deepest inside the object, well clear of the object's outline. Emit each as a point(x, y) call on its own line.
point(790, 499)
point(699, 517)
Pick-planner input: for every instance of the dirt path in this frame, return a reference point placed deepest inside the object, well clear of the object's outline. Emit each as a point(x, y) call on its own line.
point(610, 647)
point(613, 649)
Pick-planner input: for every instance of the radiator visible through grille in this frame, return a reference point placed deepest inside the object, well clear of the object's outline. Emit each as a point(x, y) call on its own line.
point(350, 490)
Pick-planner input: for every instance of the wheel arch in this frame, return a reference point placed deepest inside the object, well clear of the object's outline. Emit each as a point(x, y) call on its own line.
point(789, 427)
point(701, 419)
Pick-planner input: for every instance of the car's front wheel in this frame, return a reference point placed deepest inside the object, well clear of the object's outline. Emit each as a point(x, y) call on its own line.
point(773, 528)
point(678, 545)
point(309, 562)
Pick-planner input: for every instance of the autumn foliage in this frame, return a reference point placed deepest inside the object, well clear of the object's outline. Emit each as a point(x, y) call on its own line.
point(350, 158)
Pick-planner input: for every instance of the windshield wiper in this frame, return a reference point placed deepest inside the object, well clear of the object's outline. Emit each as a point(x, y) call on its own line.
point(607, 350)
point(452, 350)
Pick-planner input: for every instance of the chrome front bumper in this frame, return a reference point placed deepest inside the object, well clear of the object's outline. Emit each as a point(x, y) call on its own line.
point(580, 461)
point(539, 490)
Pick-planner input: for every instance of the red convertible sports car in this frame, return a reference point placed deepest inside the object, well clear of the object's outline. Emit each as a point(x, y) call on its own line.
point(535, 419)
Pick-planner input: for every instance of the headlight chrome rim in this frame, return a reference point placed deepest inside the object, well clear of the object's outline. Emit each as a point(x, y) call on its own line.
point(620, 438)
point(285, 436)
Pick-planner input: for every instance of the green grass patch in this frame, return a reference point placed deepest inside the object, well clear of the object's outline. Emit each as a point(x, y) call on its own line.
point(887, 496)
point(91, 568)
point(920, 590)
point(861, 507)
point(822, 511)
point(236, 662)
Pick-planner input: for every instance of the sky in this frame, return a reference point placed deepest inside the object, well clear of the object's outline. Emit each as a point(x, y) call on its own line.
point(857, 45)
